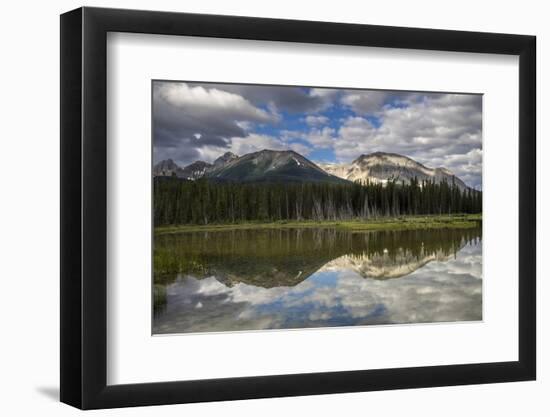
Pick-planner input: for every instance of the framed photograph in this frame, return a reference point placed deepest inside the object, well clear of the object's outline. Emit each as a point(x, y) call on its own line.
point(257, 208)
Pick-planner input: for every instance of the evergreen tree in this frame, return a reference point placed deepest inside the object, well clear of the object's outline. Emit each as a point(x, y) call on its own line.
point(178, 201)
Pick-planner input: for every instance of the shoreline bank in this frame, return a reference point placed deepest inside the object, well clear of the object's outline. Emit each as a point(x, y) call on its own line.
point(379, 224)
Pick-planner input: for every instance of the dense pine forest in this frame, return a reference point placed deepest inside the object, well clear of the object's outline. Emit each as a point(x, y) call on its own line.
point(179, 201)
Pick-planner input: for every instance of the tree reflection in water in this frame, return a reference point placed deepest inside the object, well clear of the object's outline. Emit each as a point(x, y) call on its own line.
point(201, 278)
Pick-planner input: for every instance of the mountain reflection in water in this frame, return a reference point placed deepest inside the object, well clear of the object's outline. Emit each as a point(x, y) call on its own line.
point(315, 277)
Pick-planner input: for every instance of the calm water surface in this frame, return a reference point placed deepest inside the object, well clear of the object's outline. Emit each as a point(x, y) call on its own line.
point(298, 278)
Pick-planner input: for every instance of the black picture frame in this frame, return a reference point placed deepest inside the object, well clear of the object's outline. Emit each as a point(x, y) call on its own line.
point(84, 207)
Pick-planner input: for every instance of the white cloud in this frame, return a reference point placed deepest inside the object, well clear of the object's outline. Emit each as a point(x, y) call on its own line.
point(202, 121)
point(467, 166)
point(209, 153)
point(443, 130)
point(321, 138)
point(364, 101)
point(189, 121)
point(316, 121)
point(449, 290)
point(325, 93)
point(300, 148)
point(318, 138)
point(241, 145)
point(204, 101)
point(255, 142)
point(244, 125)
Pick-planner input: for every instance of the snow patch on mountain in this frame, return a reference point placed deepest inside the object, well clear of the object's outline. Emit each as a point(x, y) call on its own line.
point(271, 165)
point(380, 167)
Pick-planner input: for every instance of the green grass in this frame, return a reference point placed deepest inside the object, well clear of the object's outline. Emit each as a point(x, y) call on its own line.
point(454, 221)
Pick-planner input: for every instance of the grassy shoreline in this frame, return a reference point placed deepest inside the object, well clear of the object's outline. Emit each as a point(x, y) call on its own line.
point(454, 221)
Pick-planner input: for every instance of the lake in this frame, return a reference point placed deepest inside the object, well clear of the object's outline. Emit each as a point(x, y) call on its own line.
point(314, 277)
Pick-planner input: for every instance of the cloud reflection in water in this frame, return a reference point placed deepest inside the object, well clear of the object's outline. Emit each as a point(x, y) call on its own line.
point(437, 288)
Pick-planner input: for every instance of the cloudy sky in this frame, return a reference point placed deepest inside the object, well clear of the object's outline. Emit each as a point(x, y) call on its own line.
point(201, 121)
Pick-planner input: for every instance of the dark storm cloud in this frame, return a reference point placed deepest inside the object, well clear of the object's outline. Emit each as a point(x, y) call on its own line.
point(188, 118)
point(200, 121)
point(292, 100)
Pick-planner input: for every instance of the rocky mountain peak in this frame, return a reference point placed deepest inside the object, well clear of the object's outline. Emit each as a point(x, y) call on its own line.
point(270, 165)
point(380, 167)
point(225, 158)
point(289, 166)
point(166, 168)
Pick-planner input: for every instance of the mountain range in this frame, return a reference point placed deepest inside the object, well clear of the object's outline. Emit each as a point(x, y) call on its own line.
point(289, 166)
point(380, 167)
